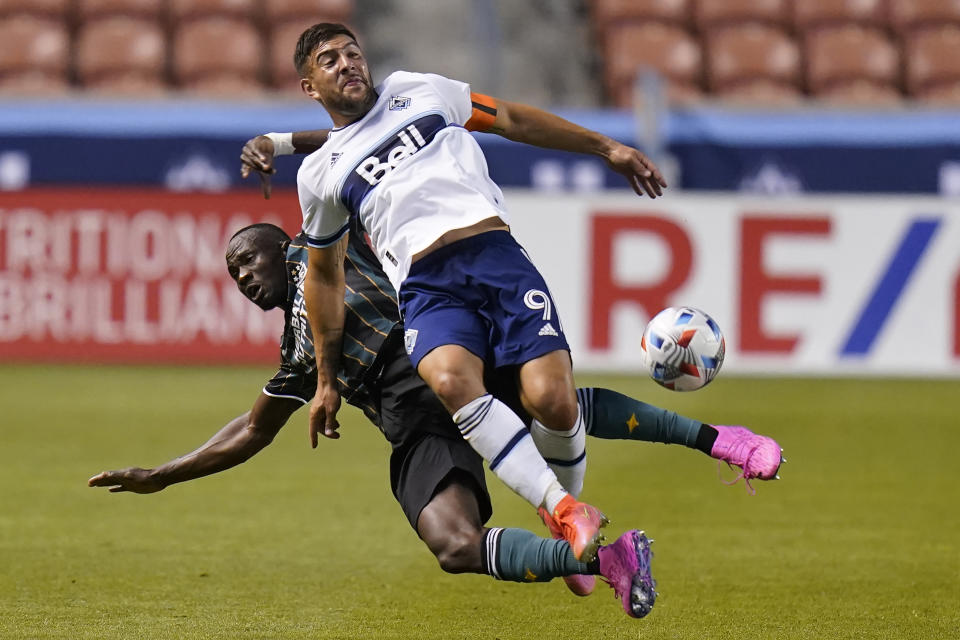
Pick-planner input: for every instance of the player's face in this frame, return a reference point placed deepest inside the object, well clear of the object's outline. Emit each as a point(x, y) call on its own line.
point(338, 78)
point(258, 270)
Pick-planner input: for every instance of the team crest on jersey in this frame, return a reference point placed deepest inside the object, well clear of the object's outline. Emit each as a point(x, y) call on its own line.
point(398, 102)
point(334, 157)
point(410, 340)
point(296, 272)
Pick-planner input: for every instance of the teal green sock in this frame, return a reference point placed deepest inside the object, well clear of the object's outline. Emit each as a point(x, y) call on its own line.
point(612, 415)
point(522, 556)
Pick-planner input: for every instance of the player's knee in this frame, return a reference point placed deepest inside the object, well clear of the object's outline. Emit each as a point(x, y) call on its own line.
point(453, 389)
point(553, 402)
point(460, 552)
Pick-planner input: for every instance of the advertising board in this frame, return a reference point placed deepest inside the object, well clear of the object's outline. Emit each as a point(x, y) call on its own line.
point(123, 275)
point(802, 285)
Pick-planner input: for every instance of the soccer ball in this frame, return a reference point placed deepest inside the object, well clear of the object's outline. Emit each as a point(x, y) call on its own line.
point(683, 348)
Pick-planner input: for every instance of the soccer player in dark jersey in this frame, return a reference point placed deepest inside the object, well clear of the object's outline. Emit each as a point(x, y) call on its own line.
point(437, 478)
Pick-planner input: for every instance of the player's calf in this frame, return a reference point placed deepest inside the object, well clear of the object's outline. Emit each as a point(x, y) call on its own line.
point(579, 584)
point(460, 552)
point(450, 526)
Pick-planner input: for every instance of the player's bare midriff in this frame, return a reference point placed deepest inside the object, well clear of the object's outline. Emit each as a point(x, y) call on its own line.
point(490, 224)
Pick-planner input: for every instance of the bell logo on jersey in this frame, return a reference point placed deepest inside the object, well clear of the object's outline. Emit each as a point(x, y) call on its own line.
point(410, 141)
point(399, 146)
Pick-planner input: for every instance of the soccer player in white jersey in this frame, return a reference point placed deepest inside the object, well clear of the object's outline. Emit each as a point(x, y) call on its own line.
point(401, 160)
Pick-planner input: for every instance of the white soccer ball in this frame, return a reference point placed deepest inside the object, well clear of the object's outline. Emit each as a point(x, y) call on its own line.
point(683, 348)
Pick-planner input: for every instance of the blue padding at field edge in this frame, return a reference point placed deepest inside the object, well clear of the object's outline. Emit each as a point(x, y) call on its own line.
point(176, 118)
point(812, 127)
point(702, 124)
point(216, 119)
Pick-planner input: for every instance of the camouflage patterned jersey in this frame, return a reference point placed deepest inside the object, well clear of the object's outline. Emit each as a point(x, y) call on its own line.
point(371, 315)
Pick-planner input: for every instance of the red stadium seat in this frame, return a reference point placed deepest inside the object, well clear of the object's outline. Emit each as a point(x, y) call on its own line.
point(811, 14)
point(226, 86)
point(283, 40)
point(907, 15)
point(752, 54)
point(946, 95)
point(760, 92)
point(861, 93)
point(183, 10)
point(842, 55)
point(308, 11)
point(208, 49)
point(932, 60)
point(53, 9)
point(33, 49)
point(669, 50)
point(710, 14)
point(34, 84)
point(611, 12)
point(120, 54)
point(94, 9)
point(130, 85)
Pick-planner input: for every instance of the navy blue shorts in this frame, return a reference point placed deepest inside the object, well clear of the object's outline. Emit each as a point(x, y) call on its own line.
point(484, 294)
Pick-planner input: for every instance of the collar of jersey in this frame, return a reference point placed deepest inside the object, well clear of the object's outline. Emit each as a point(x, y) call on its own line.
point(366, 115)
point(296, 245)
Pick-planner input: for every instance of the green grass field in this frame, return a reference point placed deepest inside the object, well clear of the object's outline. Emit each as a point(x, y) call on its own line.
point(861, 538)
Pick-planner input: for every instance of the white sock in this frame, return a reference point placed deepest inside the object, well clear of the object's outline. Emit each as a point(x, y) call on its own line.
point(565, 452)
point(555, 494)
point(499, 435)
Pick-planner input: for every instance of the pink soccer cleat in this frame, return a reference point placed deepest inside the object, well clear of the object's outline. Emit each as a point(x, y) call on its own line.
point(625, 565)
point(580, 585)
point(757, 456)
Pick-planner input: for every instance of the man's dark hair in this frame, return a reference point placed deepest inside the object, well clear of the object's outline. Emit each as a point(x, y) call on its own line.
point(266, 231)
point(312, 37)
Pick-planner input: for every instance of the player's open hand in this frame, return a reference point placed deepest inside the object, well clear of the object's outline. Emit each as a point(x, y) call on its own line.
point(639, 170)
point(323, 414)
point(257, 155)
point(132, 479)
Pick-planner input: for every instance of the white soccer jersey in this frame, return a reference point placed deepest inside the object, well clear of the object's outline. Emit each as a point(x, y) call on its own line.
point(409, 169)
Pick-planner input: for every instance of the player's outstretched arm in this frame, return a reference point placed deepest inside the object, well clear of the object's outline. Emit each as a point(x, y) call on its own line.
point(258, 152)
point(239, 440)
point(323, 292)
point(523, 123)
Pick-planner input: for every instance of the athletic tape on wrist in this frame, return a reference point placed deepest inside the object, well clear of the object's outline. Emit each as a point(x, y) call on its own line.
point(282, 143)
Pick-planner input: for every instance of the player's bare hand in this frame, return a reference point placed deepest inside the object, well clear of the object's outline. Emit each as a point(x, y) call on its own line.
point(323, 414)
point(642, 174)
point(257, 155)
point(132, 479)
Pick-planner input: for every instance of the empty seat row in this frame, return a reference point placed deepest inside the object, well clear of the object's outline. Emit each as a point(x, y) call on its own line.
point(128, 55)
point(260, 11)
point(758, 62)
point(792, 15)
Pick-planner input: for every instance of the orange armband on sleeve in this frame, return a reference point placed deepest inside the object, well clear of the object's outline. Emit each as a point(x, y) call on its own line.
point(484, 113)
